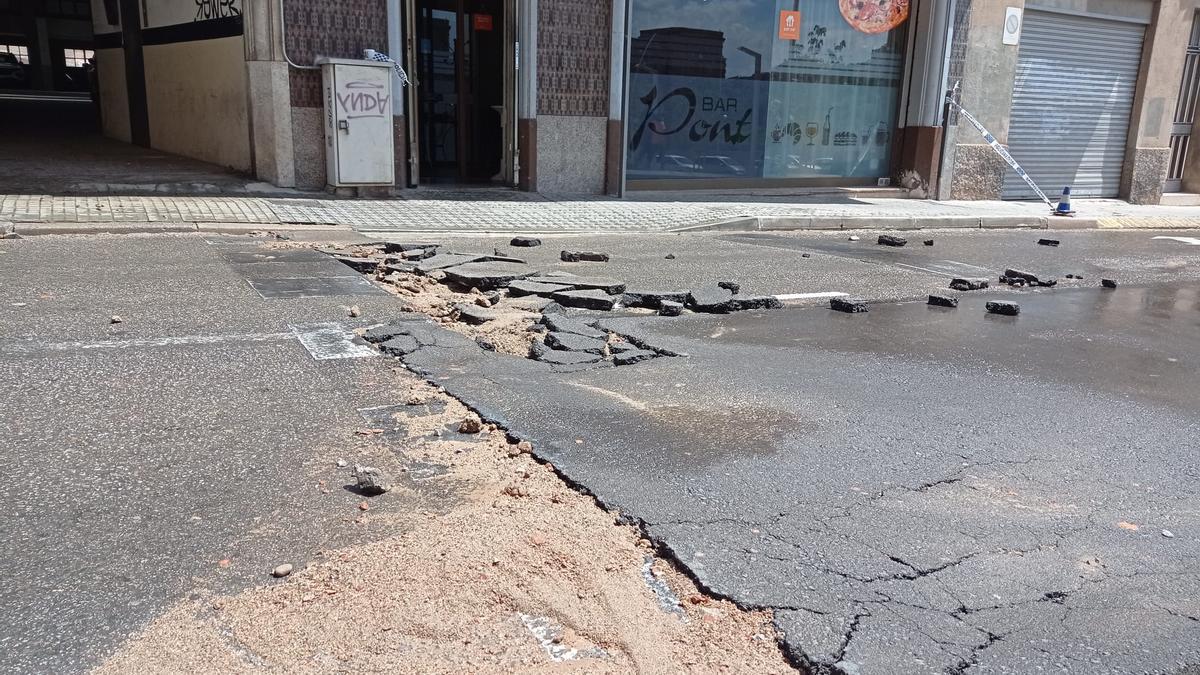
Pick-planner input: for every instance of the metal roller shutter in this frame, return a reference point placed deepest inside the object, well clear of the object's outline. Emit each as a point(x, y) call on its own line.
point(1072, 100)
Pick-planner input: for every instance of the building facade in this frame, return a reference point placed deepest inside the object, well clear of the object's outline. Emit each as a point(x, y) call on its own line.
point(1099, 95)
point(617, 96)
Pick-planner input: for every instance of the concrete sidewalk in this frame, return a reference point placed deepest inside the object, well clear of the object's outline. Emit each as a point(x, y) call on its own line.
point(507, 211)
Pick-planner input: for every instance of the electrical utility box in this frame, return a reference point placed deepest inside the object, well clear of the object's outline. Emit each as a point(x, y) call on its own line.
point(359, 147)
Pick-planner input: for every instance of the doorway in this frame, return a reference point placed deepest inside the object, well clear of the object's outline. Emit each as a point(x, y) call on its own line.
point(463, 93)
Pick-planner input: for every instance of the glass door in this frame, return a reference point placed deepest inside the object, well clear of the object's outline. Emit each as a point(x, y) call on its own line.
point(460, 92)
point(438, 54)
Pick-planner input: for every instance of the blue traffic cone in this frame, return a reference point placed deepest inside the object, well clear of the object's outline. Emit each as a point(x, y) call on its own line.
point(1064, 204)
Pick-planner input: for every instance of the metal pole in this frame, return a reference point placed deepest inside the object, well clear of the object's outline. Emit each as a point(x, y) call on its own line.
point(283, 41)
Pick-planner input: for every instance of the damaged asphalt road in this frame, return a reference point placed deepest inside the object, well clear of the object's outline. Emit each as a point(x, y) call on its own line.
point(912, 489)
point(915, 489)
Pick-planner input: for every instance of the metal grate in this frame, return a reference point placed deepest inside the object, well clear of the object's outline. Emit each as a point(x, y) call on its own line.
point(1185, 111)
point(958, 52)
point(1072, 102)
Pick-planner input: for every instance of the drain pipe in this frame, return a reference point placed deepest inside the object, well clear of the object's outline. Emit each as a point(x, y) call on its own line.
point(283, 41)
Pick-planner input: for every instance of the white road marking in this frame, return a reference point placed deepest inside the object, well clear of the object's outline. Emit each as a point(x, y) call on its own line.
point(328, 341)
point(963, 264)
point(925, 269)
point(810, 296)
point(1191, 241)
point(632, 403)
point(549, 636)
point(324, 341)
point(141, 343)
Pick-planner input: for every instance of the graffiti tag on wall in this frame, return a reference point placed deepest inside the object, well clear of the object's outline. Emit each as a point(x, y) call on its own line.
point(216, 9)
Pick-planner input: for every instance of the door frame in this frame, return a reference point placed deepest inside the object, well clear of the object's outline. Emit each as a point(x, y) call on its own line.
point(508, 121)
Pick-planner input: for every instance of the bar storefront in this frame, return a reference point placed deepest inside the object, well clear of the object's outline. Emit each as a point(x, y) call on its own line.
point(744, 93)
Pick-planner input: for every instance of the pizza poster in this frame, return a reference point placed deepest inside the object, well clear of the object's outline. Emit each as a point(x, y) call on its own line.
point(874, 16)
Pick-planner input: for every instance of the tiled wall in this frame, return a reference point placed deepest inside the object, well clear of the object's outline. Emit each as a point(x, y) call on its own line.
point(341, 28)
point(573, 44)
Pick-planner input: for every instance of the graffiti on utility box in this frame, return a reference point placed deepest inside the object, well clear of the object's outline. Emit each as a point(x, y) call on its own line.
point(358, 99)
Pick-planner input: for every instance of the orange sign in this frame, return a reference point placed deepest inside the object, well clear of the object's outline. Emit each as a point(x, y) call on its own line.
point(483, 22)
point(789, 25)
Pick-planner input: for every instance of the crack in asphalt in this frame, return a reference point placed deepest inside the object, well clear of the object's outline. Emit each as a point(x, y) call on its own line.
point(864, 613)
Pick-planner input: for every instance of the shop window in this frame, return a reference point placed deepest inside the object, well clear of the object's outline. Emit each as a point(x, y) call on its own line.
point(77, 58)
point(761, 90)
point(19, 51)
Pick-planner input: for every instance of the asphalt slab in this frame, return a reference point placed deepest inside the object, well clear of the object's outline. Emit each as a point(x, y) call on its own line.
point(916, 488)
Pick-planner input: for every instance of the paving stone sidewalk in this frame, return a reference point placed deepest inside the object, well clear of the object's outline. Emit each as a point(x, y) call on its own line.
point(501, 211)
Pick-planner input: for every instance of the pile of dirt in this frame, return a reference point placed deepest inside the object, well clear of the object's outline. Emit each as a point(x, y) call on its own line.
point(507, 333)
point(521, 574)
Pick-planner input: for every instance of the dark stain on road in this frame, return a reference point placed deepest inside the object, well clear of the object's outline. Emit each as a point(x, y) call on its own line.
point(706, 436)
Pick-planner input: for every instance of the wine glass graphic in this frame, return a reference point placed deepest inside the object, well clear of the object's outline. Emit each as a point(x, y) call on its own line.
point(811, 130)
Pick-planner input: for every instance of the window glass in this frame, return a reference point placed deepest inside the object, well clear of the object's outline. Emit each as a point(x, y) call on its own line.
point(763, 89)
point(76, 58)
point(21, 52)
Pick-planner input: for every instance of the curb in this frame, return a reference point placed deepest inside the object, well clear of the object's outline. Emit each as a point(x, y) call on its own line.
point(818, 223)
point(36, 229)
point(791, 223)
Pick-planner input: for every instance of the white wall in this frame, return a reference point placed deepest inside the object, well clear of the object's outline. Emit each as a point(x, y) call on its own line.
point(196, 97)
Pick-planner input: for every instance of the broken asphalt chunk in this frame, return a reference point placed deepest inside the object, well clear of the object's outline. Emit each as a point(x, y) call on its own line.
point(401, 345)
point(968, 284)
point(630, 357)
point(418, 254)
point(741, 303)
point(669, 308)
point(731, 286)
point(405, 246)
point(720, 300)
point(444, 260)
point(384, 333)
point(487, 276)
point(585, 299)
point(523, 287)
point(610, 286)
point(636, 339)
point(371, 481)
point(499, 256)
point(556, 357)
point(848, 305)
point(1017, 274)
point(570, 342)
point(582, 256)
point(652, 299)
point(1003, 308)
point(474, 314)
point(1108, 283)
point(559, 323)
point(1048, 242)
point(943, 301)
point(525, 242)
point(929, 242)
point(892, 240)
point(361, 265)
point(710, 299)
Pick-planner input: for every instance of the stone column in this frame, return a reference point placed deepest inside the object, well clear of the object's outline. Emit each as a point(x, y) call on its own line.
point(987, 90)
point(269, 95)
point(1148, 152)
